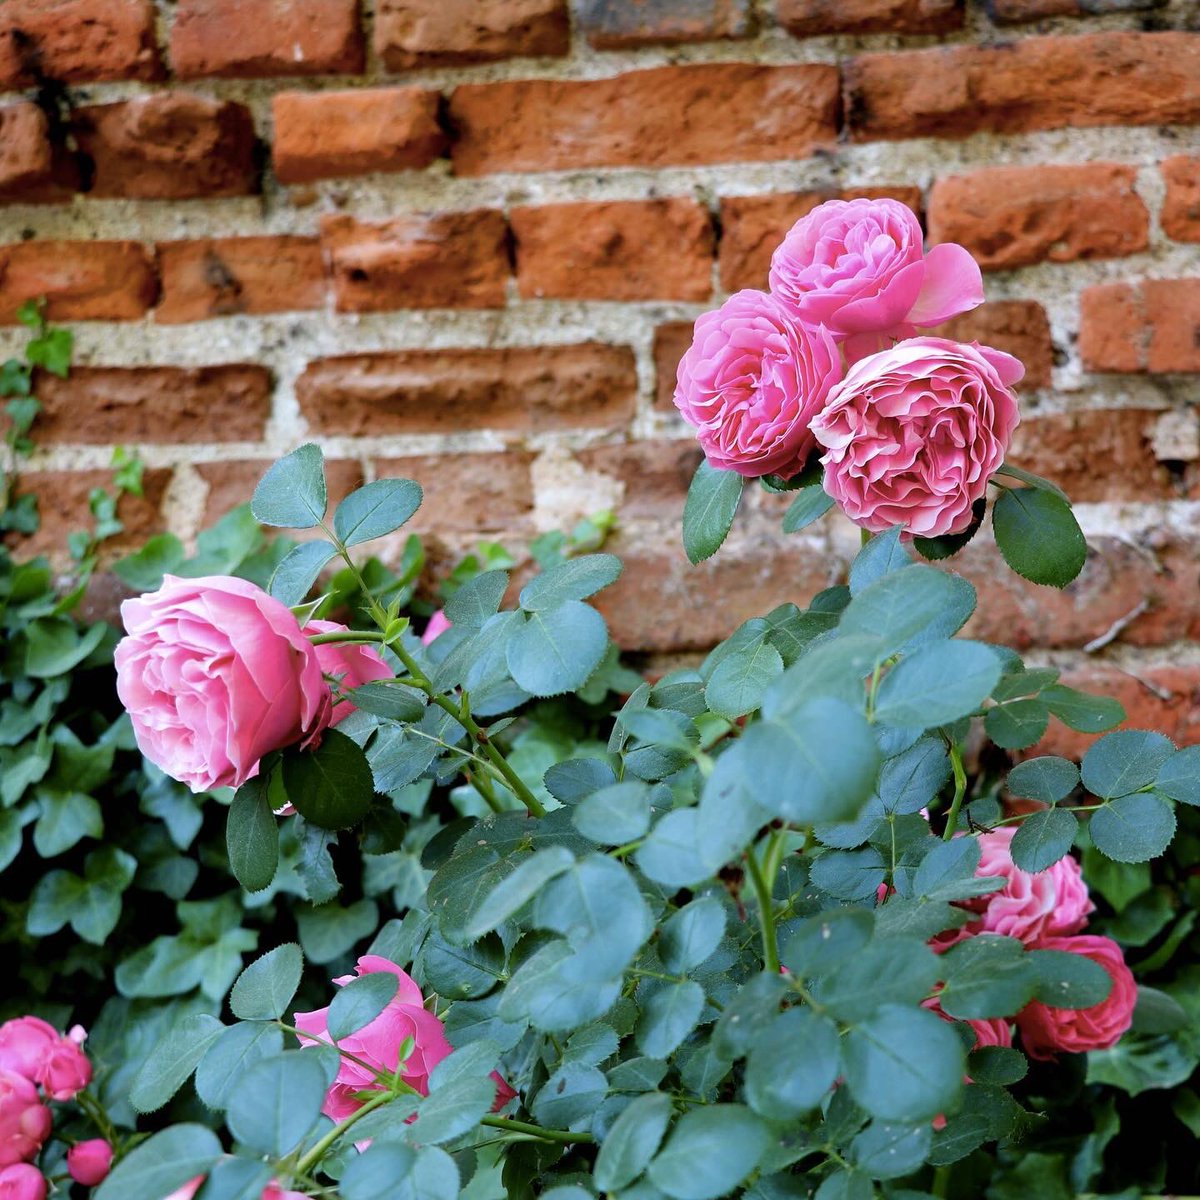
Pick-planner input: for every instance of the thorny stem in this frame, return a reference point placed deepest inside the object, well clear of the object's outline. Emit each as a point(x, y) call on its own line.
point(960, 790)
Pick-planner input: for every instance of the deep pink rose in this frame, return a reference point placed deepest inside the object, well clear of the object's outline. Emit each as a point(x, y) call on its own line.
point(914, 433)
point(24, 1119)
point(858, 267)
point(438, 624)
point(1073, 1030)
point(752, 381)
point(66, 1070)
point(379, 1042)
point(351, 663)
point(89, 1162)
point(989, 1031)
point(215, 674)
point(22, 1182)
point(25, 1044)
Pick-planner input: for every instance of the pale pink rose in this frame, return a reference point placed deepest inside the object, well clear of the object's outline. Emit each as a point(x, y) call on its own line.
point(1046, 1030)
point(351, 663)
point(24, 1120)
point(66, 1070)
point(89, 1162)
point(438, 624)
point(22, 1182)
point(379, 1042)
point(215, 674)
point(858, 267)
point(751, 383)
point(25, 1044)
point(913, 434)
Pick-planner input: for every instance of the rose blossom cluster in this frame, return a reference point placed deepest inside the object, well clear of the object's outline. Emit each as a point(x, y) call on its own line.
point(216, 674)
point(911, 431)
point(39, 1065)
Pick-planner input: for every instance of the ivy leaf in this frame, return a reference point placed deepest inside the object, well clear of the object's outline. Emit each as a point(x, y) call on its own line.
point(292, 493)
point(376, 509)
point(712, 503)
point(1039, 537)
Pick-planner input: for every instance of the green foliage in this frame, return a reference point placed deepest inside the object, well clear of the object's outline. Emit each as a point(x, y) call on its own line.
point(712, 503)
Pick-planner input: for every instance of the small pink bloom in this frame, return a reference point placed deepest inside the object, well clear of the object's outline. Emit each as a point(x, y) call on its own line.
point(66, 1070)
point(89, 1162)
point(438, 624)
point(751, 383)
point(1045, 1031)
point(22, 1182)
point(25, 1044)
point(858, 267)
point(215, 674)
point(24, 1120)
point(351, 663)
point(913, 434)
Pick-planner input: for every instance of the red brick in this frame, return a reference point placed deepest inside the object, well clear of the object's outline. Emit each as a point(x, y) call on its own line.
point(215, 277)
point(266, 37)
point(468, 493)
point(752, 226)
point(621, 24)
point(807, 18)
point(64, 508)
point(615, 250)
point(1035, 83)
point(323, 135)
point(656, 476)
point(1018, 327)
point(1009, 11)
point(725, 112)
point(524, 388)
point(422, 260)
point(169, 146)
point(81, 281)
point(1181, 208)
point(1153, 326)
point(128, 405)
point(31, 167)
point(233, 483)
point(670, 345)
point(76, 41)
point(1013, 216)
point(437, 33)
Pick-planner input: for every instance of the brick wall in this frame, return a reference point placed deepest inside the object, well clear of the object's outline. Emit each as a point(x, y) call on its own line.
point(465, 239)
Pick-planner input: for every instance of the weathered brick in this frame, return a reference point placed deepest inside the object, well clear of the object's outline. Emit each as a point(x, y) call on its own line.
point(468, 493)
point(656, 476)
point(808, 18)
point(232, 483)
point(620, 24)
point(216, 277)
point(31, 167)
point(253, 38)
point(431, 33)
point(615, 250)
point(1018, 327)
point(422, 260)
point(1012, 11)
point(76, 41)
point(670, 345)
point(524, 388)
point(323, 135)
point(1035, 83)
point(81, 281)
point(725, 112)
point(1013, 216)
point(1153, 325)
point(169, 146)
point(123, 405)
point(752, 226)
point(1181, 208)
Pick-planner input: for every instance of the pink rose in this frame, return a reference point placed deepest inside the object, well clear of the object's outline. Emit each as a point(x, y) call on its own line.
point(438, 624)
point(271, 1192)
point(858, 267)
point(25, 1044)
point(66, 1070)
point(379, 1042)
point(89, 1162)
point(215, 674)
point(351, 663)
point(24, 1120)
point(752, 381)
point(22, 1182)
point(914, 433)
point(1046, 1030)
point(989, 1031)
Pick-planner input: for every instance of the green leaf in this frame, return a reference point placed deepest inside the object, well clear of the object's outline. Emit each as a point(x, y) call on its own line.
point(236, 1179)
point(1017, 724)
point(1081, 712)
point(573, 579)
point(570, 1096)
point(888, 1151)
point(1038, 536)
point(739, 681)
point(390, 700)
point(144, 570)
point(374, 1174)
point(792, 1064)
point(632, 1141)
point(509, 896)
point(252, 836)
point(463, 972)
point(1134, 828)
point(949, 544)
point(1066, 980)
point(912, 604)
point(1179, 777)
point(616, 814)
point(266, 987)
point(233, 1053)
point(292, 580)
point(710, 1152)
point(937, 684)
point(817, 944)
point(54, 646)
point(712, 503)
point(173, 1060)
point(557, 651)
point(477, 600)
point(690, 936)
point(850, 992)
point(1048, 779)
point(292, 493)
point(376, 509)
point(454, 1109)
point(1033, 480)
point(1123, 762)
point(162, 1164)
point(986, 976)
point(331, 786)
point(669, 1014)
point(359, 1002)
point(810, 504)
point(881, 555)
point(278, 1102)
point(673, 853)
point(1043, 838)
point(64, 819)
point(329, 930)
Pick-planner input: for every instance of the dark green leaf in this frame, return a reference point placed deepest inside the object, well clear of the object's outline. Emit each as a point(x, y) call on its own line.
point(632, 1141)
point(712, 502)
point(1043, 838)
point(359, 1002)
point(1017, 724)
point(1079, 711)
point(1065, 980)
point(1048, 779)
point(1038, 536)
point(1134, 828)
point(230, 1056)
point(278, 1102)
point(173, 1060)
point(669, 1014)
point(266, 987)
point(162, 1164)
point(690, 936)
point(252, 835)
point(331, 786)
point(792, 1064)
point(390, 700)
point(810, 504)
point(709, 1152)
